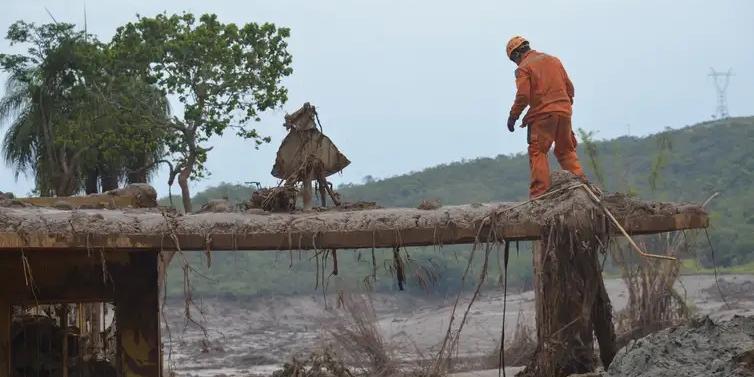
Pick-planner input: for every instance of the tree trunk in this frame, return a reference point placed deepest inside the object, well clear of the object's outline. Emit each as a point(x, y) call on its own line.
point(66, 185)
point(602, 319)
point(137, 177)
point(183, 178)
point(569, 301)
point(109, 179)
point(139, 172)
point(91, 184)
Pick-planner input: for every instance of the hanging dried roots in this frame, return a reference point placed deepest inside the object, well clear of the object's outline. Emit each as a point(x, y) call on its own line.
point(400, 273)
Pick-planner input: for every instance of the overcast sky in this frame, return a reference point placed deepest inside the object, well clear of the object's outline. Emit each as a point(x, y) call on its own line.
point(403, 85)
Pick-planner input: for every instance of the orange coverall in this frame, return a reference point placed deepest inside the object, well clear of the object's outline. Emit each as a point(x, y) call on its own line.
point(543, 84)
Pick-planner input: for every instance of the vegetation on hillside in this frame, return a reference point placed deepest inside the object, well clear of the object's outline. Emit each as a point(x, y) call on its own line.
point(687, 164)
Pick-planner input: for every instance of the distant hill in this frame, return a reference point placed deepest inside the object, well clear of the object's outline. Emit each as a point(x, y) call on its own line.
point(687, 164)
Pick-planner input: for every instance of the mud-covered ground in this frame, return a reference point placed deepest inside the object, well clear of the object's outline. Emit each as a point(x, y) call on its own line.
point(254, 336)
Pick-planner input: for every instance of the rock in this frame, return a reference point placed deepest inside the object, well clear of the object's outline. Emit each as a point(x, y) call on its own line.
point(145, 195)
point(216, 206)
point(93, 206)
point(62, 205)
point(13, 203)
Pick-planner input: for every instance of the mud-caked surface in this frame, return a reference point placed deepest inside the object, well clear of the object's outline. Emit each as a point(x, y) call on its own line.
point(703, 348)
point(569, 198)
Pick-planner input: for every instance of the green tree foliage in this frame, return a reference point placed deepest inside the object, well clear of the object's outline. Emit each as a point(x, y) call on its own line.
point(224, 75)
point(592, 154)
point(705, 158)
point(72, 115)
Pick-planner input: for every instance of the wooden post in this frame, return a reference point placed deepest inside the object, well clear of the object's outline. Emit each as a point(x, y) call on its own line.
point(5, 322)
point(571, 302)
point(64, 330)
point(95, 315)
point(137, 315)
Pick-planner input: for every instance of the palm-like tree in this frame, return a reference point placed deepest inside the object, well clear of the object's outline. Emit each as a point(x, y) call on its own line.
point(74, 121)
point(32, 105)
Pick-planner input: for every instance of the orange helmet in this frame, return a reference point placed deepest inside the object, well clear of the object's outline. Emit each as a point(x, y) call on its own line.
point(514, 43)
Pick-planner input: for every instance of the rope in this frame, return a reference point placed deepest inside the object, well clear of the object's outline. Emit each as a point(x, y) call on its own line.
point(597, 200)
point(620, 227)
point(714, 264)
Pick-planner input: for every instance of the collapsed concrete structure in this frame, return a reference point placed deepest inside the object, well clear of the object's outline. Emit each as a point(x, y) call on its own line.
point(51, 255)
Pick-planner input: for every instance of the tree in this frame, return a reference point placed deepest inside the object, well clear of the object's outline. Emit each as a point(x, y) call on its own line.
point(35, 100)
point(73, 118)
point(127, 119)
point(224, 76)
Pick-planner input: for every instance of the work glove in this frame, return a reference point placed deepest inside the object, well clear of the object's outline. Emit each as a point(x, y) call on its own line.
point(511, 124)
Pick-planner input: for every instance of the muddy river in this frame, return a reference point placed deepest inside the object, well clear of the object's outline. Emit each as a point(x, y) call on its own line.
point(250, 337)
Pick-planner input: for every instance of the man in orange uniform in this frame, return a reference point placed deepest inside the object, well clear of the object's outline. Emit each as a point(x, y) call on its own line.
point(543, 84)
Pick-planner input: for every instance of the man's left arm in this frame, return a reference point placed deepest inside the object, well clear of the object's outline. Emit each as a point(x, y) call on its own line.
point(523, 92)
point(569, 84)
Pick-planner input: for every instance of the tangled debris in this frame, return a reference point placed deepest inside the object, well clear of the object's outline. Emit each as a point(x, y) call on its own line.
point(700, 349)
point(572, 306)
point(323, 363)
point(428, 204)
point(278, 199)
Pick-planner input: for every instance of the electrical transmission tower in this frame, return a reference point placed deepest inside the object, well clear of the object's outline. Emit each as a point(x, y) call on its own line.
point(722, 79)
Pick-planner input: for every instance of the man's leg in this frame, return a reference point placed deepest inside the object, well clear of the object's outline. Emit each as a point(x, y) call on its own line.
point(541, 135)
point(565, 146)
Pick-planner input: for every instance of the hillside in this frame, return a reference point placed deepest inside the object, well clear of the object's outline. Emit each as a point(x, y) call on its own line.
point(687, 164)
point(690, 164)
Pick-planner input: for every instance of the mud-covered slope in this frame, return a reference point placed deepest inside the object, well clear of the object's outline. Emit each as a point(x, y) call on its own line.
point(700, 349)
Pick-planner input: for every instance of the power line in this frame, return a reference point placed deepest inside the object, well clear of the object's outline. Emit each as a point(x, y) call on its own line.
point(722, 79)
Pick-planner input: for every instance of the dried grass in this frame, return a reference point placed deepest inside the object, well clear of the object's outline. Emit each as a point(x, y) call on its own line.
point(358, 348)
point(653, 301)
point(356, 334)
point(521, 349)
